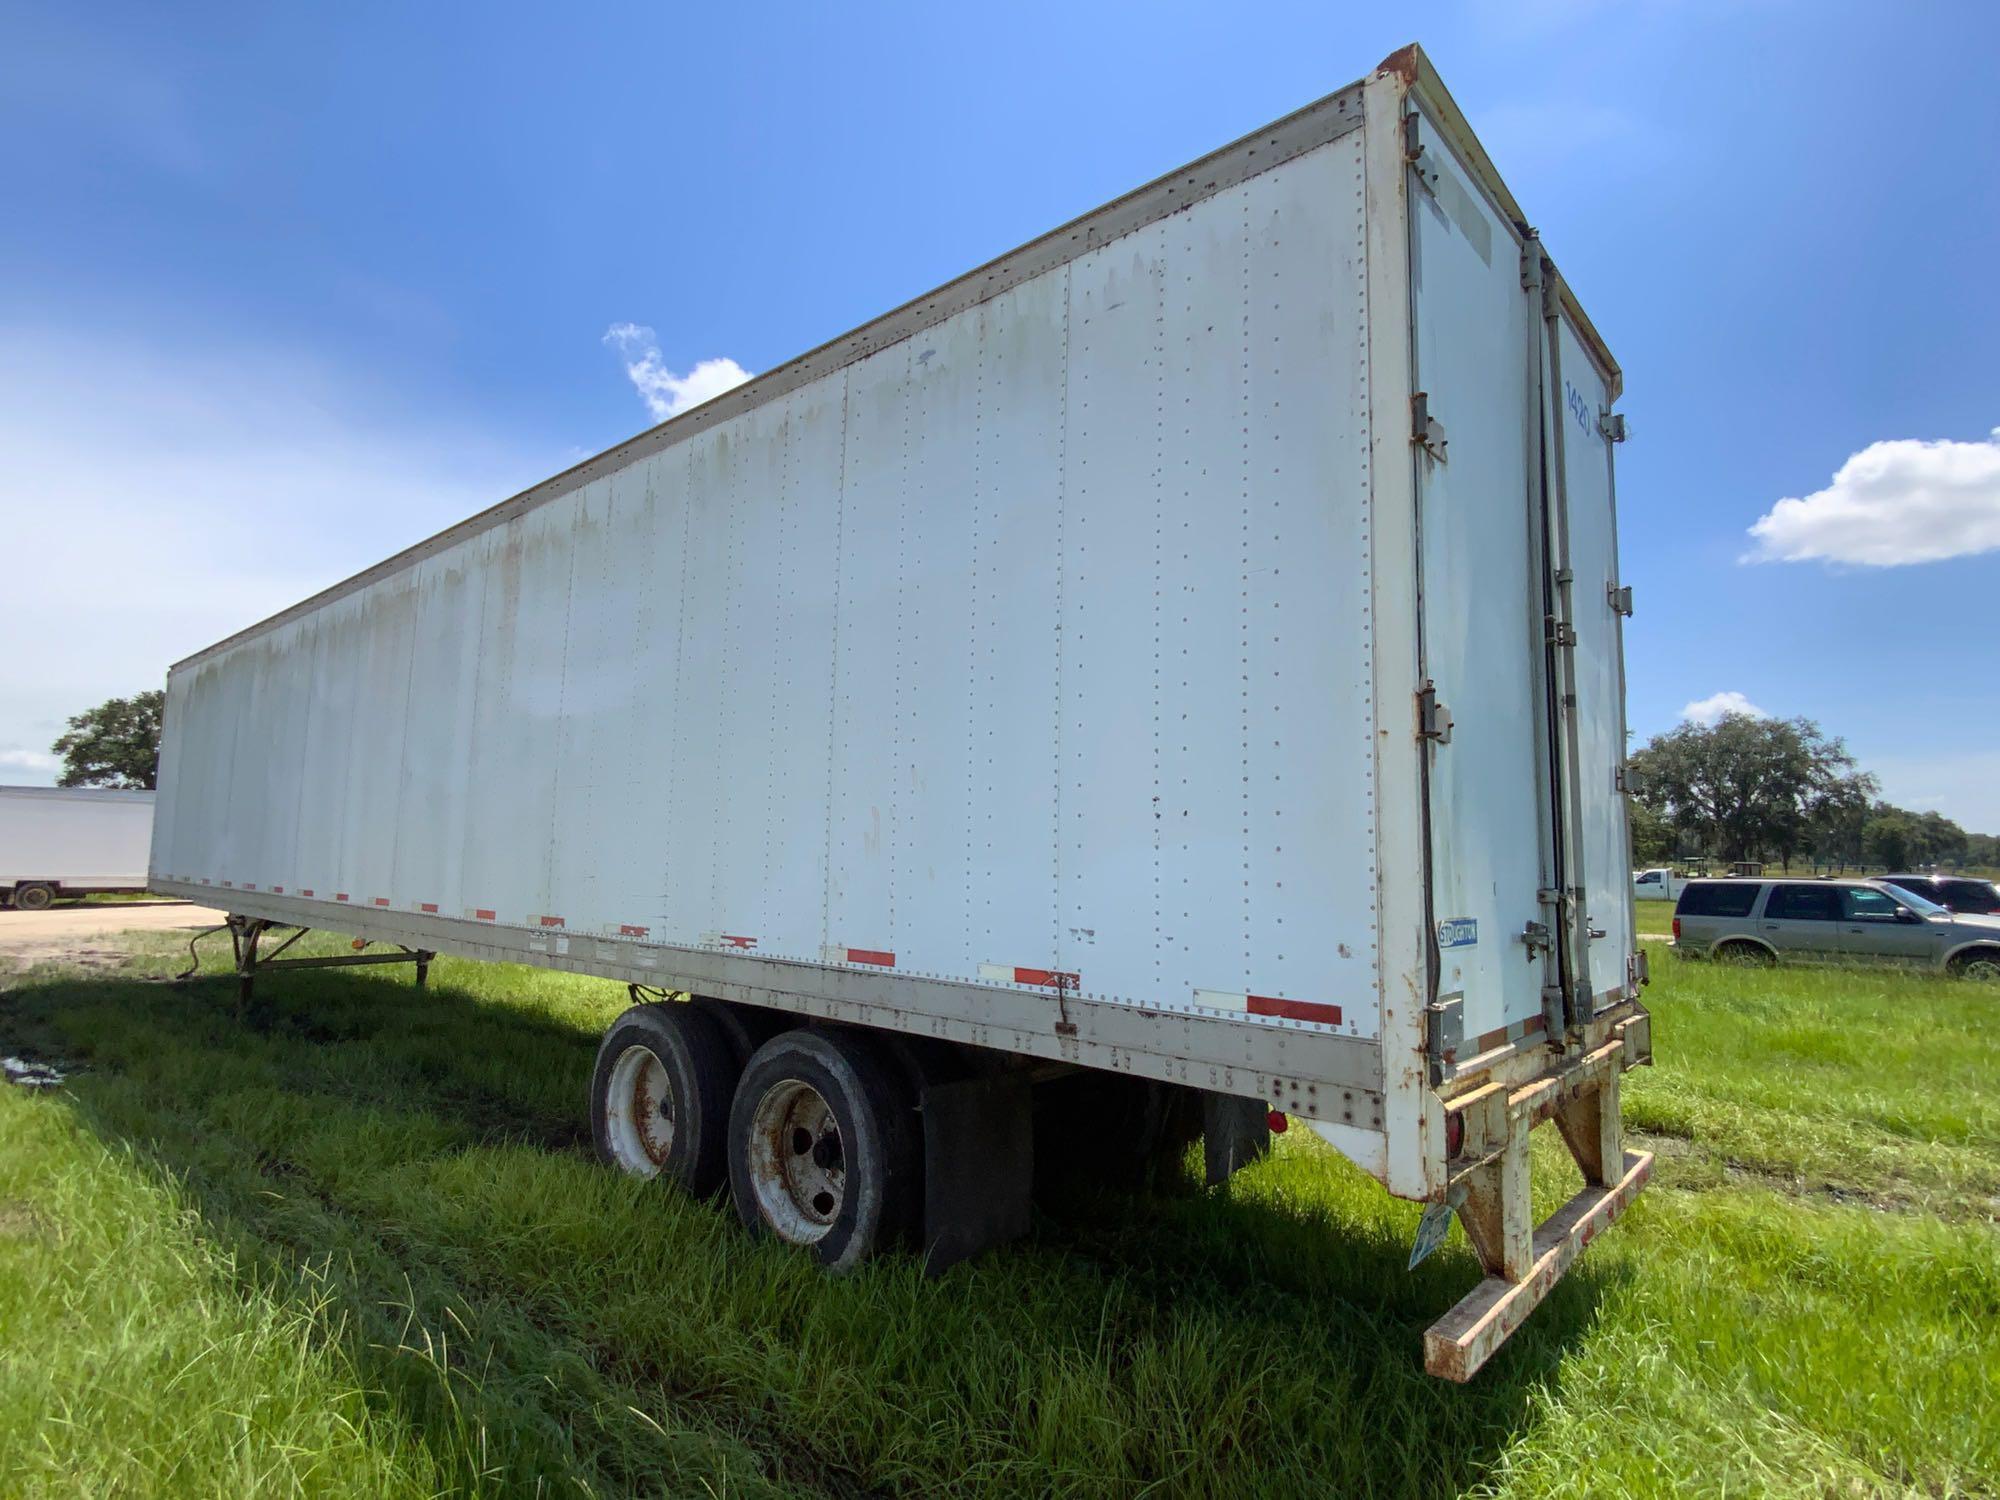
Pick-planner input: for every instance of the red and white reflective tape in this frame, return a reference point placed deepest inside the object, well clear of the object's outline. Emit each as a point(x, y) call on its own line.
point(881, 958)
point(340, 895)
point(381, 900)
point(277, 890)
point(546, 921)
point(629, 929)
point(306, 893)
point(481, 913)
point(726, 940)
point(429, 906)
point(1269, 1005)
point(1043, 978)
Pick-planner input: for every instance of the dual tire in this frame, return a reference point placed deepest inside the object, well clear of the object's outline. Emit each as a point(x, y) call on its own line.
point(813, 1132)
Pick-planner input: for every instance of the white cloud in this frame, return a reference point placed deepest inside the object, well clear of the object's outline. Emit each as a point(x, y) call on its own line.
point(154, 499)
point(37, 765)
point(665, 393)
point(1892, 503)
point(1710, 711)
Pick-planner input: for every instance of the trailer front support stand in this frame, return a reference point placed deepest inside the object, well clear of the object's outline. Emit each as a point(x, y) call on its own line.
point(246, 935)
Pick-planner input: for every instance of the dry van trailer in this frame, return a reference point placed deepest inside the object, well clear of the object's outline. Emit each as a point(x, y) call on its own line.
point(1169, 677)
point(58, 842)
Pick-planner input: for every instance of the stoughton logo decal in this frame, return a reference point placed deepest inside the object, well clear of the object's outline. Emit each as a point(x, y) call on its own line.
point(1458, 932)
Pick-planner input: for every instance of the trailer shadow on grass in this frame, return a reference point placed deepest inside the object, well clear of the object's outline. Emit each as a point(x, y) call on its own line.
point(421, 1157)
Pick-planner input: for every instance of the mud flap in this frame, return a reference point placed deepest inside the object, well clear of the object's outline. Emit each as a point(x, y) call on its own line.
point(1234, 1132)
point(979, 1166)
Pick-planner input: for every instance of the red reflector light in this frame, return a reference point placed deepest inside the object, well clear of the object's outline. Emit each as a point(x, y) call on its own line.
point(1677, 929)
point(1277, 1121)
point(1454, 1135)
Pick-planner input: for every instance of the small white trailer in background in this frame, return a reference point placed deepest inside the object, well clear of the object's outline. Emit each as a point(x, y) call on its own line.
point(59, 842)
point(1169, 678)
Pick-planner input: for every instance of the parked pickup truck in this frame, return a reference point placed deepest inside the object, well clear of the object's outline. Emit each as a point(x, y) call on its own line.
point(1762, 921)
point(1656, 885)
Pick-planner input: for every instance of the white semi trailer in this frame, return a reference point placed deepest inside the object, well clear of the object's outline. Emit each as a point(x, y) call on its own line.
point(1176, 664)
point(59, 842)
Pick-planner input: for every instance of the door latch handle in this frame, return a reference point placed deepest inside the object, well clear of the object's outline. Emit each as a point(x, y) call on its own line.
point(1536, 936)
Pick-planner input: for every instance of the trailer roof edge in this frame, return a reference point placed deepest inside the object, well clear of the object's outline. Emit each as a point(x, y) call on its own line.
point(1413, 66)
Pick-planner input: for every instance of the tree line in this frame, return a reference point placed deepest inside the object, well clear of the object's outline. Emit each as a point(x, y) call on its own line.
point(1779, 790)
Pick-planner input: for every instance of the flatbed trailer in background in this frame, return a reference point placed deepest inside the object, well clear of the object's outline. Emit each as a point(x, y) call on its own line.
point(1168, 679)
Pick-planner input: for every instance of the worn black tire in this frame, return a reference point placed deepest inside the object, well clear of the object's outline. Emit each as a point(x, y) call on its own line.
point(1746, 954)
point(880, 1149)
point(1980, 965)
point(744, 1027)
point(690, 1088)
point(32, 895)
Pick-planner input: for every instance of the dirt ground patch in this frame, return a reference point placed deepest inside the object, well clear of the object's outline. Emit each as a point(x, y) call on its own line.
point(28, 937)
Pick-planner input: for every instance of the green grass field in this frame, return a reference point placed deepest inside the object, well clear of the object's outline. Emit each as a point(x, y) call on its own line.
point(360, 1247)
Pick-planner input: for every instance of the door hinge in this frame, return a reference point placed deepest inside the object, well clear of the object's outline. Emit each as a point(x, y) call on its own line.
point(1418, 158)
point(1531, 262)
point(1447, 1014)
point(1624, 779)
point(1426, 430)
point(1620, 597)
point(1558, 632)
point(1433, 718)
point(1611, 426)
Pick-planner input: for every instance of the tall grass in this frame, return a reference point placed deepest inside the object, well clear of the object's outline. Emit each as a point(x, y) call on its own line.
point(363, 1227)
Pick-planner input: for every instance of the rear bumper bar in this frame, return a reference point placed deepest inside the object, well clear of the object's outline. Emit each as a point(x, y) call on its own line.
point(1489, 1187)
point(1456, 1345)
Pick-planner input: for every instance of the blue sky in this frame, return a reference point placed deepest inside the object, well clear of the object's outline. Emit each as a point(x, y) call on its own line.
point(284, 289)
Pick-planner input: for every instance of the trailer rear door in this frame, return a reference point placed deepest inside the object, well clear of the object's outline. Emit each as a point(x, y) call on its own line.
point(1596, 614)
point(1489, 795)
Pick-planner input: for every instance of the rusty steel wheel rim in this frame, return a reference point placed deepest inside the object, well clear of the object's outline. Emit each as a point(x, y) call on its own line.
point(797, 1162)
point(639, 1112)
